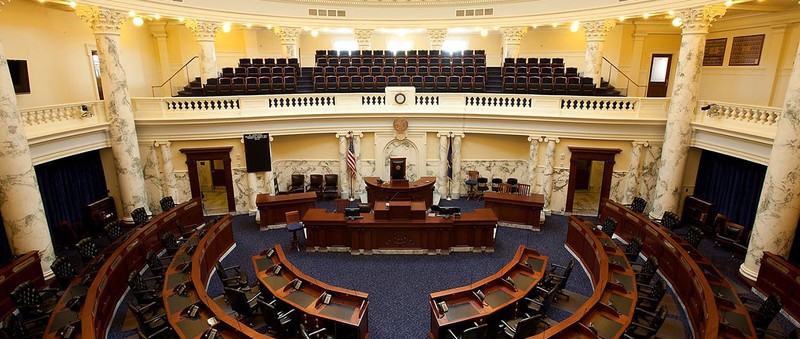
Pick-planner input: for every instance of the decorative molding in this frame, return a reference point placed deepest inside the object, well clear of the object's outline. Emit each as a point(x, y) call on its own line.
point(364, 36)
point(697, 20)
point(288, 35)
point(644, 143)
point(102, 20)
point(349, 134)
point(203, 30)
point(549, 139)
point(437, 36)
point(532, 138)
point(598, 30)
point(513, 35)
point(451, 134)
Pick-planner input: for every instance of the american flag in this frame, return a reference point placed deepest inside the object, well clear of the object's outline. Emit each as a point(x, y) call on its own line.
point(351, 160)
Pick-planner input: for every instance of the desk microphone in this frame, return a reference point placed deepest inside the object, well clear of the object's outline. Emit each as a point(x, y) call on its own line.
point(392, 198)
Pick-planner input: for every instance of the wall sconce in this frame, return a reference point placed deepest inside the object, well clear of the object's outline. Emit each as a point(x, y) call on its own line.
point(712, 110)
point(85, 112)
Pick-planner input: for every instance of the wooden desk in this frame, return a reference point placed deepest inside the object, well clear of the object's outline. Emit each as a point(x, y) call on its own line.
point(777, 275)
point(525, 269)
point(429, 235)
point(111, 281)
point(345, 315)
point(420, 190)
point(516, 208)
point(712, 304)
point(28, 267)
point(272, 208)
point(105, 211)
point(613, 280)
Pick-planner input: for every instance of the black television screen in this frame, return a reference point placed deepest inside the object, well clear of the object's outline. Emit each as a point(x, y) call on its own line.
point(19, 76)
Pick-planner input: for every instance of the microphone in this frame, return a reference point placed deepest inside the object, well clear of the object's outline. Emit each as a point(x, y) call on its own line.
point(392, 198)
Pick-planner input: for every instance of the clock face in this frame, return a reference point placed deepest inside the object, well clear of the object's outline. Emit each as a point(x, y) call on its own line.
point(400, 98)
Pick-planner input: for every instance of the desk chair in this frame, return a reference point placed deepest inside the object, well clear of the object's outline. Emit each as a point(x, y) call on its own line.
point(729, 234)
point(483, 186)
point(474, 332)
point(471, 182)
point(167, 203)
point(331, 186)
point(150, 325)
point(646, 271)
point(638, 330)
point(14, 328)
point(638, 205)
point(496, 184)
point(694, 236)
point(33, 303)
point(293, 224)
point(315, 184)
point(243, 306)
point(540, 304)
point(232, 277)
point(171, 244)
point(278, 323)
point(522, 327)
point(113, 231)
point(610, 226)
point(633, 249)
point(505, 188)
point(649, 297)
point(670, 220)
point(154, 263)
point(64, 271)
point(524, 189)
point(298, 183)
point(140, 216)
point(513, 182)
point(143, 292)
point(763, 315)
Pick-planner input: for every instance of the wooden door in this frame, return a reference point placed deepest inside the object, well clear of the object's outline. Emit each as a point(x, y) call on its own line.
point(217, 173)
point(583, 175)
point(659, 75)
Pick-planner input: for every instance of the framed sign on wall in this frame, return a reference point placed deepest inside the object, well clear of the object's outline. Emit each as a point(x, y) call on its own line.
point(746, 50)
point(715, 52)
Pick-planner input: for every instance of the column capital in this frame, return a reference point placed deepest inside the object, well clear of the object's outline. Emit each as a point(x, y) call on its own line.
point(158, 29)
point(363, 36)
point(597, 30)
point(288, 35)
point(537, 138)
point(161, 143)
point(349, 134)
point(437, 35)
point(203, 30)
point(697, 20)
point(549, 139)
point(513, 35)
point(450, 134)
point(102, 20)
point(637, 143)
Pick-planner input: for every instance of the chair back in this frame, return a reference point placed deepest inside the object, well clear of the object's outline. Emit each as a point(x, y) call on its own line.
point(270, 315)
point(475, 332)
point(25, 294)
point(167, 203)
point(694, 236)
point(483, 184)
point(87, 249)
point(610, 226)
point(505, 188)
point(298, 182)
point(720, 221)
point(473, 176)
point(638, 205)
point(64, 271)
point(670, 220)
point(527, 327)
point(237, 299)
point(315, 182)
point(633, 249)
point(767, 312)
point(524, 189)
point(113, 231)
point(136, 282)
point(331, 180)
point(292, 217)
point(139, 216)
point(496, 184)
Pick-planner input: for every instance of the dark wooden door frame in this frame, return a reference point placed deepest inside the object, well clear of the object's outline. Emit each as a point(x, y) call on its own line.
point(666, 77)
point(592, 154)
point(193, 155)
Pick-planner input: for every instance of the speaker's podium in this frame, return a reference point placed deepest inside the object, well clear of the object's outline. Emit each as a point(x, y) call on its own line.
point(398, 188)
point(398, 171)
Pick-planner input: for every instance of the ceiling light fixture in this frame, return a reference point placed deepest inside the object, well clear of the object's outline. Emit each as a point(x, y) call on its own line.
point(248, 25)
point(677, 22)
point(314, 33)
point(484, 32)
point(181, 19)
point(226, 27)
point(157, 16)
point(73, 4)
point(575, 26)
point(138, 21)
point(728, 3)
point(646, 15)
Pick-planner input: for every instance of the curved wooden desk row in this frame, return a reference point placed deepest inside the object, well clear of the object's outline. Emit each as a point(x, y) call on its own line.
point(502, 298)
point(777, 275)
point(614, 284)
point(516, 208)
point(420, 190)
point(710, 300)
point(111, 280)
point(28, 267)
point(345, 316)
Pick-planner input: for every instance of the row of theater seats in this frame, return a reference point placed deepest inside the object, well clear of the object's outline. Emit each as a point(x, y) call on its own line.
point(540, 71)
point(402, 61)
point(250, 85)
point(384, 53)
point(541, 62)
point(269, 62)
point(428, 83)
point(252, 71)
point(549, 85)
point(400, 70)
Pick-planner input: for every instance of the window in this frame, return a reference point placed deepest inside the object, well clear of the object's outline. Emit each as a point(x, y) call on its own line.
point(451, 46)
point(345, 45)
point(96, 70)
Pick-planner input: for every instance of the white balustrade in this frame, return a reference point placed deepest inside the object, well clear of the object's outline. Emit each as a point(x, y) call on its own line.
point(760, 121)
point(46, 120)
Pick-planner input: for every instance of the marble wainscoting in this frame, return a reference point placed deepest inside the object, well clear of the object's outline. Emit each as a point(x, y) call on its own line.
point(183, 186)
point(649, 175)
point(402, 149)
point(153, 183)
point(283, 169)
point(241, 190)
point(496, 169)
point(618, 185)
point(558, 200)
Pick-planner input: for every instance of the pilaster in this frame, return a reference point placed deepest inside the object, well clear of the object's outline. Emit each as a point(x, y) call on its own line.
point(512, 37)
point(290, 40)
point(204, 33)
point(436, 36)
point(364, 38)
point(596, 32)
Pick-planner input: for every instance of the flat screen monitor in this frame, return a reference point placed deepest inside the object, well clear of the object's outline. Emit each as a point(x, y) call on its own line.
point(19, 76)
point(352, 212)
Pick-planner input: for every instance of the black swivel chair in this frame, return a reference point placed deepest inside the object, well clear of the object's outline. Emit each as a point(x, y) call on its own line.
point(474, 332)
point(31, 302)
point(483, 186)
point(522, 327)
point(763, 314)
point(638, 205)
point(496, 184)
point(64, 271)
point(278, 323)
point(171, 244)
point(670, 220)
point(245, 307)
point(610, 226)
point(633, 249)
point(649, 297)
point(142, 291)
point(541, 303)
point(559, 279)
point(513, 182)
point(14, 328)
point(694, 236)
point(150, 325)
point(140, 216)
point(154, 263)
point(232, 277)
point(113, 231)
point(87, 249)
point(638, 330)
point(646, 271)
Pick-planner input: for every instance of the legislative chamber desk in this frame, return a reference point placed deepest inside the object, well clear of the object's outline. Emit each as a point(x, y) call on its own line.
point(111, 280)
point(613, 280)
point(27, 267)
point(400, 190)
point(778, 276)
point(272, 208)
point(516, 208)
point(385, 232)
point(502, 299)
point(709, 299)
point(345, 316)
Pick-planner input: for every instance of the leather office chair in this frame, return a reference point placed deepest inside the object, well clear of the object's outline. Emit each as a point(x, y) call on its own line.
point(729, 234)
point(232, 276)
point(524, 189)
point(245, 307)
point(646, 271)
point(638, 205)
point(540, 303)
point(293, 224)
point(315, 184)
point(167, 203)
point(610, 226)
point(513, 182)
point(154, 263)
point(694, 236)
point(649, 297)
point(64, 271)
point(670, 220)
point(144, 292)
point(471, 182)
point(87, 249)
point(330, 187)
point(298, 183)
point(763, 314)
point(637, 330)
point(483, 186)
point(496, 184)
point(14, 328)
point(559, 279)
point(478, 331)
point(171, 244)
point(31, 302)
point(113, 231)
point(150, 325)
point(317, 334)
point(140, 216)
point(522, 327)
point(278, 323)
point(633, 249)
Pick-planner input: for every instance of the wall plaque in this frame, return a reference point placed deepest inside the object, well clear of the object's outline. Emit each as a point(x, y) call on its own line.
point(746, 50)
point(715, 52)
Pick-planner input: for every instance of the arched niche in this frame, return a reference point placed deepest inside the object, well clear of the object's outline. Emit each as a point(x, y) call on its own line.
point(412, 147)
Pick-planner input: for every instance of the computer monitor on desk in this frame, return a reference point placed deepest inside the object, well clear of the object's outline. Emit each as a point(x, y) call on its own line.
point(352, 213)
point(448, 211)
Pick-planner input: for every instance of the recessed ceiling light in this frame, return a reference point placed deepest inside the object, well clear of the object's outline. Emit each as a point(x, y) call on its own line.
point(138, 21)
point(677, 22)
point(575, 26)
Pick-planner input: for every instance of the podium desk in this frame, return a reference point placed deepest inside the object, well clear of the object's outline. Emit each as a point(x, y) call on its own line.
point(273, 208)
point(516, 208)
point(420, 190)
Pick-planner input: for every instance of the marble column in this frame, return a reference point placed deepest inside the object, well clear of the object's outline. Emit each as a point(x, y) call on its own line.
point(358, 182)
point(168, 176)
point(533, 163)
point(634, 170)
point(20, 200)
point(779, 206)
point(436, 37)
point(204, 34)
point(512, 36)
point(458, 179)
point(364, 38)
point(549, 164)
point(106, 26)
point(159, 32)
point(290, 40)
point(344, 177)
point(678, 133)
point(441, 178)
point(252, 190)
point(596, 32)
point(636, 64)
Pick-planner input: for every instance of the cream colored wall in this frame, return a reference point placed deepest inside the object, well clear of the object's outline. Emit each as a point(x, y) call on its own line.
point(55, 45)
point(659, 43)
point(784, 71)
point(555, 42)
point(432, 152)
point(230, 48)
point(368, 146)
point(494, 147)
point(305, 147)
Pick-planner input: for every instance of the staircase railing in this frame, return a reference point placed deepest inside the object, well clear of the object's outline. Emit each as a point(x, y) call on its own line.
point(619, 75)
point(183, 69)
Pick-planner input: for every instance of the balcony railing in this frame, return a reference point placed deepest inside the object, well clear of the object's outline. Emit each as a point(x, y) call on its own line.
point(41, 121)
point(760, 121)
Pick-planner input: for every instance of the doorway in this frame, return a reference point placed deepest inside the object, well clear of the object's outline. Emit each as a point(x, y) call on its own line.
point(659, 75)
point(590, 172)
point(210, 178)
